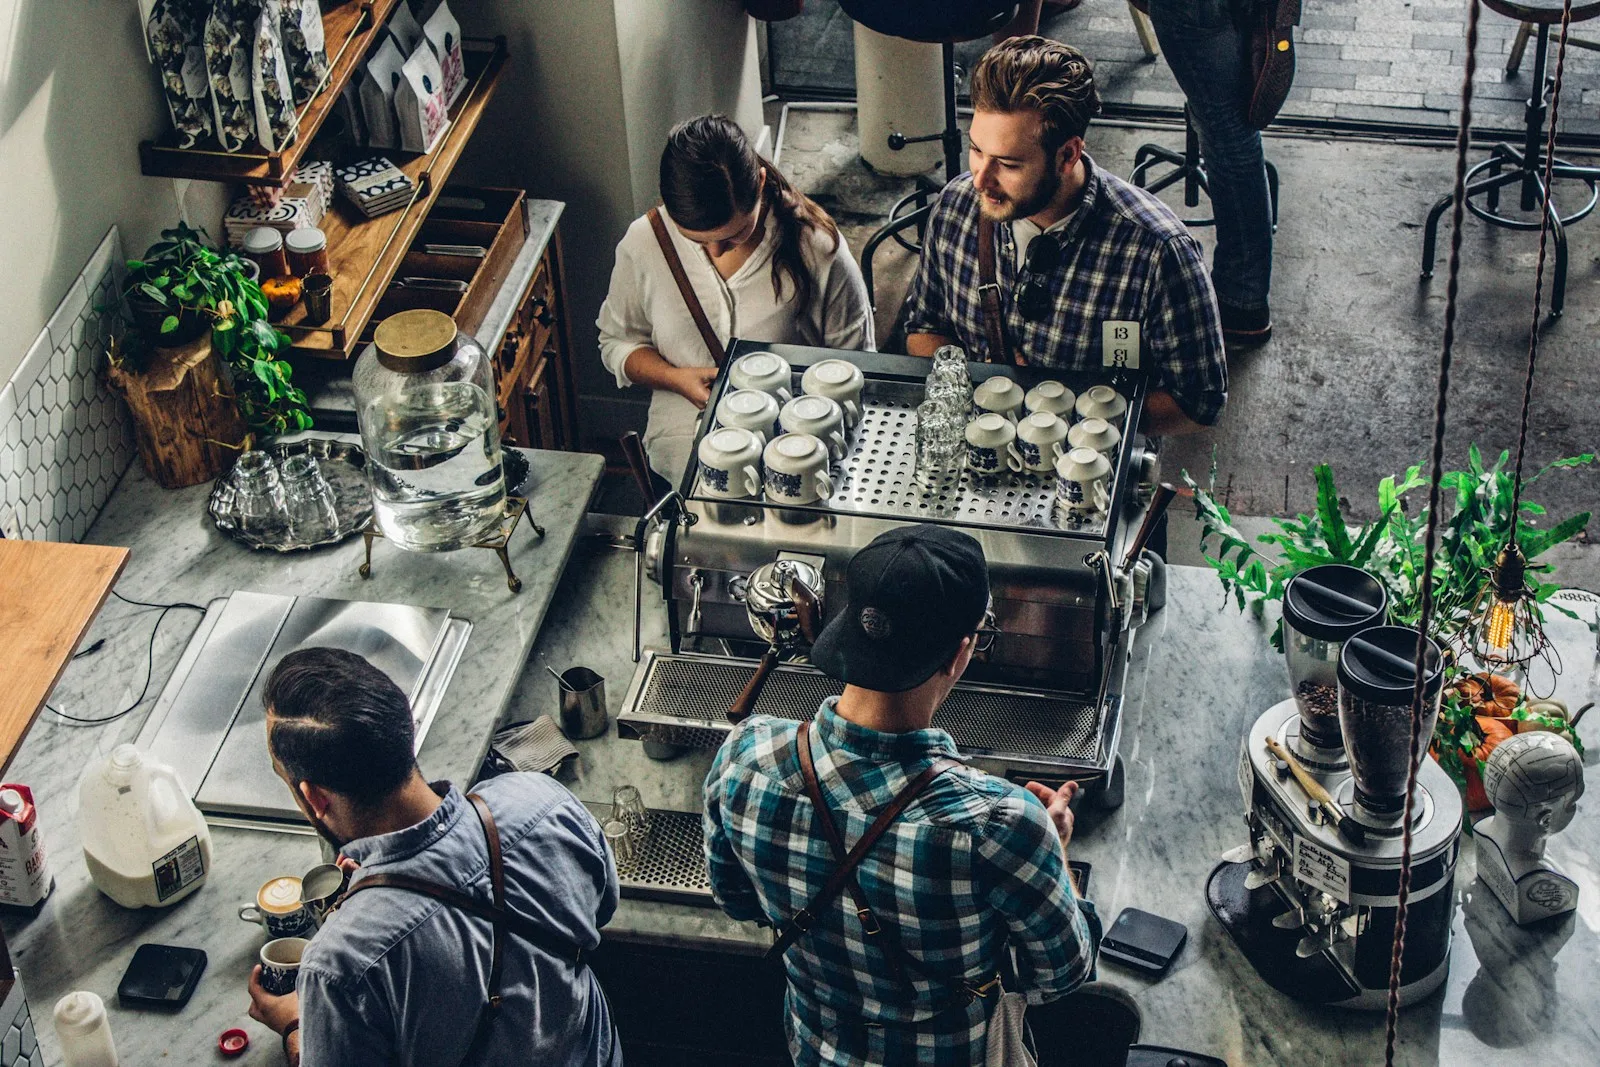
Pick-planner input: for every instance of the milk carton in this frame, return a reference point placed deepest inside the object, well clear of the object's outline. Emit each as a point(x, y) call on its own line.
point(25, 878)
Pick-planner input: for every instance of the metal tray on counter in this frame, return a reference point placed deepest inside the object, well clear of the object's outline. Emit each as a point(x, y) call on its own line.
point(344, 465)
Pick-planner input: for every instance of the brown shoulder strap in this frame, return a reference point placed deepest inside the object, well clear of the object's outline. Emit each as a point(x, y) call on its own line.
point(675, 264)
point(844, 875)
point(994, 322)
point(497, 884)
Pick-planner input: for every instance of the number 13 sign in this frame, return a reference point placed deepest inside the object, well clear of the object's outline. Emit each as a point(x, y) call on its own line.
point(1119, 344)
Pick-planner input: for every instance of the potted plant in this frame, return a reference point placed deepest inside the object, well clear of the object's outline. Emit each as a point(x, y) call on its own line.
point(172, 292)
point(1479, 709)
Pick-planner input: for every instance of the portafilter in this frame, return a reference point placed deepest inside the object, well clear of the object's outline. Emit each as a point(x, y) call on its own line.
point(783, 600)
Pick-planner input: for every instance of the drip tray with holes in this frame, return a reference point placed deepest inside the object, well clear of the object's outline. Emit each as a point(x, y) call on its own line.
point(683, 700)
point(671, 862)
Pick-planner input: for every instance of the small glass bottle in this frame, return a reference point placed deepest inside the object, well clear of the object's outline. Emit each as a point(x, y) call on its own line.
point(265, 245)
point(307, 250)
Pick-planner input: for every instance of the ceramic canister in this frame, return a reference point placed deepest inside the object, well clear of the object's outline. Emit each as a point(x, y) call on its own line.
point(730, 463)
point(819, 416)
point(765, 371)
point(1000, 395)
point(992, 445)
point(840, 381)
point(1095, 433)
point(1041, 439)
point(1101, 402)
point(797, 469)
point(750, 409)
point(1083, 480)
point(1053, 397)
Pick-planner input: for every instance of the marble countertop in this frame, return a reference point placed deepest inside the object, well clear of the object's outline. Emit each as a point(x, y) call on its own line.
point(80, 939)
point(1202, 673)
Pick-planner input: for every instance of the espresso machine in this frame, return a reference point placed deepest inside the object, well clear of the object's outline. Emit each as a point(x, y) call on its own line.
point(1311, 899)
point(1044, 703)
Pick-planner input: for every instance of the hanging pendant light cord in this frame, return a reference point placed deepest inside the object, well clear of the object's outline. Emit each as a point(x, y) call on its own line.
point(1546, 209)
point(1441, 407)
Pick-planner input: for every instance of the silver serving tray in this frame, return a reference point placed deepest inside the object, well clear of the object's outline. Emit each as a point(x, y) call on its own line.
point(344, 465)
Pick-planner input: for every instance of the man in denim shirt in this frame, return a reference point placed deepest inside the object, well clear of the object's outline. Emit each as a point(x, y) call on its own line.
point(974, 867)
point(395, 977)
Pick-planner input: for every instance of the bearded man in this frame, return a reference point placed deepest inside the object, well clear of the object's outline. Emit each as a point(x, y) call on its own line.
point(1040, 258)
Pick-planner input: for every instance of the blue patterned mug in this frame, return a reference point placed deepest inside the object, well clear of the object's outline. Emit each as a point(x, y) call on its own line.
point(992, 446)
point(797, 469)
point(280, 964)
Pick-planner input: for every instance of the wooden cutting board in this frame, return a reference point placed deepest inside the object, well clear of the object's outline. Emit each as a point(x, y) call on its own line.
point(49, 594)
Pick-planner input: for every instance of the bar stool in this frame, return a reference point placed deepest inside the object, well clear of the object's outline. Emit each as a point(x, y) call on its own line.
point(945, 23)
point(1508, 164)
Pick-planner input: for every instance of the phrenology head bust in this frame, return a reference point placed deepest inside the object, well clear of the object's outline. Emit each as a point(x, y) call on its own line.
point(1536, 778)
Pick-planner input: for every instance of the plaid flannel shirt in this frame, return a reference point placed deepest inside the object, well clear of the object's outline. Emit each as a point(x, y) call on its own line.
point(1125, 256)
point(973, 863)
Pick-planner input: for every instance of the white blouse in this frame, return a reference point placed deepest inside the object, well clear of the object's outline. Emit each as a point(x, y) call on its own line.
point(644, 309)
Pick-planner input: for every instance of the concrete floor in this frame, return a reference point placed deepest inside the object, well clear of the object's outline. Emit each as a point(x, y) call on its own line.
point(1350, 375)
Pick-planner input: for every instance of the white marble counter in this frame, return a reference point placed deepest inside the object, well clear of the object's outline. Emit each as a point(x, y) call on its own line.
point(80, 940)
point(1201, 676)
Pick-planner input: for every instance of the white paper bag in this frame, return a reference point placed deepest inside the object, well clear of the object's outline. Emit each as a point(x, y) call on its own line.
point(419, 102)
point(378, 82)
point(443, 35)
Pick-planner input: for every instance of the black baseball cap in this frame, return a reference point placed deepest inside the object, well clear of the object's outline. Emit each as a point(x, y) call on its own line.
point(911, 595)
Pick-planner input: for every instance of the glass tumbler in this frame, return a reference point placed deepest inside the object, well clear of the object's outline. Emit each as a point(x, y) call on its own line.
point(627, 807)
point(623, 842)
point(951, 361)
point(308, 500)
point(259, 492)
point(952, 393)
point(941, 443)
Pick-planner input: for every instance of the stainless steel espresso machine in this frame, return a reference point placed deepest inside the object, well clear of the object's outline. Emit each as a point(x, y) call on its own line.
point(1311, 900)
point(1044, 703)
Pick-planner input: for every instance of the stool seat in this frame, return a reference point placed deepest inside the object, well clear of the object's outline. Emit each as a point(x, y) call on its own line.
point(932, 21)
point(1544, 12)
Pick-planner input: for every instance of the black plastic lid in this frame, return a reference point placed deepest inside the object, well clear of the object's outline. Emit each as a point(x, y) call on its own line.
point(1334, 602)
point(1378, 665)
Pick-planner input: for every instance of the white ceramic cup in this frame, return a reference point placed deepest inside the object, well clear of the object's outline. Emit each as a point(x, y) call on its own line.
point(818, 416)
point(1053, 397)
point(1041, 439)
point(840, 381)
point(1101, 402)
point(730, 463)
point(765, 371)
point(1000, 395)
point(992, 445)
point(750, 409)
point(1095, 433)
point(797, 469)
point(1083, 478)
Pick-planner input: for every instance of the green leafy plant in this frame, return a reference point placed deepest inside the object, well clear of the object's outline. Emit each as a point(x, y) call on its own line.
point(182, 280)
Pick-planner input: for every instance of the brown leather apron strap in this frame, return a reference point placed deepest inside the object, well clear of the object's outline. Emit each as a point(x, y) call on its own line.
point(994, 320)
point(675, 264)
point(497, 883)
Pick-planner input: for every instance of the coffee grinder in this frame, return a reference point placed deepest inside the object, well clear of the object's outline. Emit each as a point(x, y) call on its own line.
point(1311, 900)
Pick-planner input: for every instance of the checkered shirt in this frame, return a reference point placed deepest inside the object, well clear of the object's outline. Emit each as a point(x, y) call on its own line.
point(972, 863)
point(1125, 257)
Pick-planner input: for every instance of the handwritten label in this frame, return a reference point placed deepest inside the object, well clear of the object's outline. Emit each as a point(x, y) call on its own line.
point(1119, 344)
point(1316, 866)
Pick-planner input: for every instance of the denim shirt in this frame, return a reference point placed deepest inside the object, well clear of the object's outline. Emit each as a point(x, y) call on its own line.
point(397, 978)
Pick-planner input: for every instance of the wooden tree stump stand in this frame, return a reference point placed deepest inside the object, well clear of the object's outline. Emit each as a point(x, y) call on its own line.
point(186, 421)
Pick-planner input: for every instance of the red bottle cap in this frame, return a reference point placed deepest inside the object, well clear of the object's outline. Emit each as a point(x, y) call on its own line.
point(233, 1042)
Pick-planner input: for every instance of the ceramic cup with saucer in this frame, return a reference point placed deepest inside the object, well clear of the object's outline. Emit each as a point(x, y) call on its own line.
point(819, 417)
point(840, 381)
point(1083, 479)
point(750, 409)
point(765, 371)
point(1000, 395)
point(1041, 438)
point(992, 445)
point(1095, 433)
point(1053, 397)
point(797, 469)
point(1101, 402)
point(730, 463)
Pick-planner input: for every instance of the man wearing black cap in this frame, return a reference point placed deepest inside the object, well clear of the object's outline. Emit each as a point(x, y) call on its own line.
point(892, 959)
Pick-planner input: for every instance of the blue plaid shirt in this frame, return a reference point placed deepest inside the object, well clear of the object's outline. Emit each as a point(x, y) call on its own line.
point(1125, 257)
point(971, 864)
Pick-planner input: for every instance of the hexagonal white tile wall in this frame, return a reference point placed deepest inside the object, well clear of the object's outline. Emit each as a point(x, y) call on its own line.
point(63, 409)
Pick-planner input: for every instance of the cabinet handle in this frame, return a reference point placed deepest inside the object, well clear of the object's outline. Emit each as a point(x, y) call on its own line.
point(541, 311)
point(508, 349)
point(499, 412)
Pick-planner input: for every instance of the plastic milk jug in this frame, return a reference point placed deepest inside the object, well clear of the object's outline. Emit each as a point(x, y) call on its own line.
point(24, 877)
point(143, 839)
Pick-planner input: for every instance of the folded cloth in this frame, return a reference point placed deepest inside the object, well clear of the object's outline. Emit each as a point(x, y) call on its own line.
point(534, 746)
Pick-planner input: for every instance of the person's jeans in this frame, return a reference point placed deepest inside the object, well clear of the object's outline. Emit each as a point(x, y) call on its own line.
point(1210, 58)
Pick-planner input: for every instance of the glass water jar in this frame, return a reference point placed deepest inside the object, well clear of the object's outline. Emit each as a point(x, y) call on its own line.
point(426, 406)
point(1322, 608)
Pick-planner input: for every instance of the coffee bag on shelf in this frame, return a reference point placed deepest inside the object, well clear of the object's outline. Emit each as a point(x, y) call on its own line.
point(443, 35)
point(305, 49)
point(407, 31)
point(227, 46)
point(174, 36)
point(419, 102)
point(379, 79)
point(270, 91)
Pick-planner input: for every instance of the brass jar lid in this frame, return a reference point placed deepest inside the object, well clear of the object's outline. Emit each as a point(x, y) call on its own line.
point(412, 342)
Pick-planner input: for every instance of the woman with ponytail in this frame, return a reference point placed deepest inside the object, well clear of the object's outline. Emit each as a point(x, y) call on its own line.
point(763, 261)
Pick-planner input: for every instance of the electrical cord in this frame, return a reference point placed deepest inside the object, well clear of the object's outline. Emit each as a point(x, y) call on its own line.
point(149, 665)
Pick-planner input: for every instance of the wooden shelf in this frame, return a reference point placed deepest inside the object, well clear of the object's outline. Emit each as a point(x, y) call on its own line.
point(350, 29)
point(364, 254)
